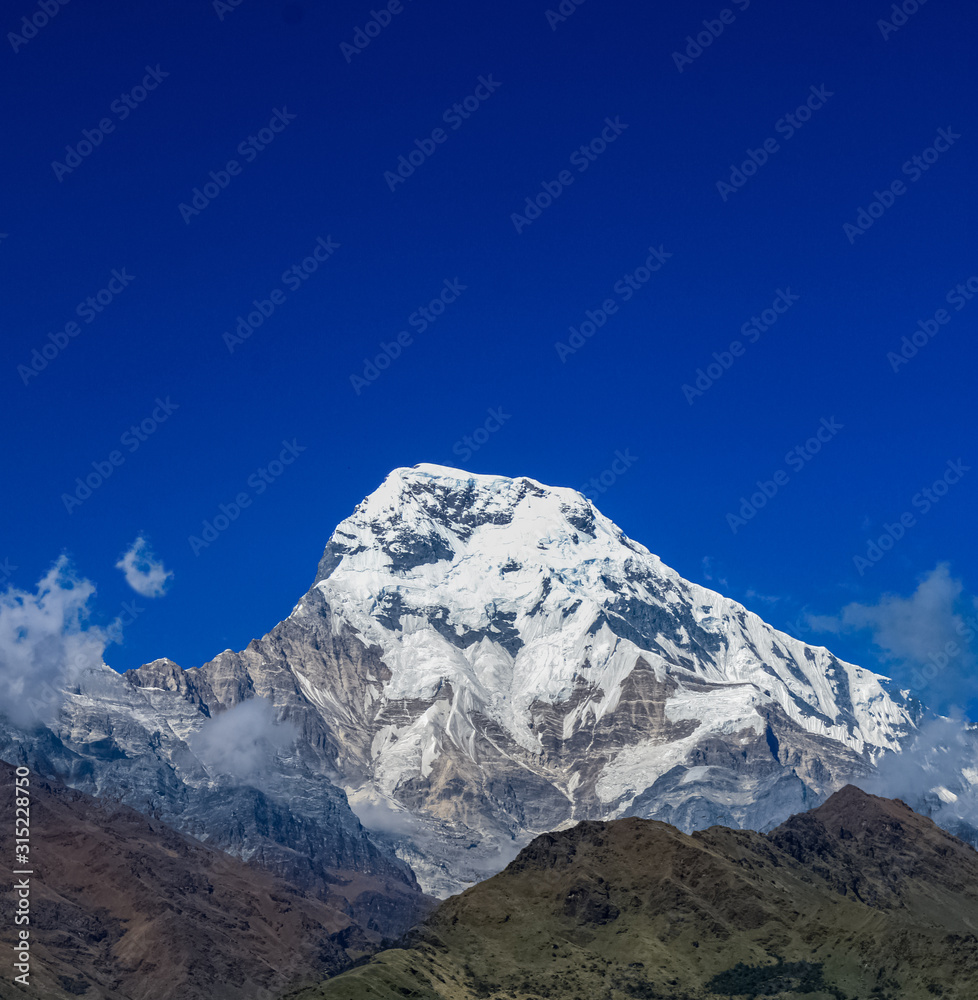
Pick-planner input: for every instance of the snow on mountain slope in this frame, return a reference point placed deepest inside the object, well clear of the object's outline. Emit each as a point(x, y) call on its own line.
point(545, 668)
point(511, 590)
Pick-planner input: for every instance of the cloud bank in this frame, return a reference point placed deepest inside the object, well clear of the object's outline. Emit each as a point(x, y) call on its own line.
point(937, 773)
point(45, 644)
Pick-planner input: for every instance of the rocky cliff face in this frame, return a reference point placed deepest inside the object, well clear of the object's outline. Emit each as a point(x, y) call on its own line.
point(479, 659)
point(136, 739)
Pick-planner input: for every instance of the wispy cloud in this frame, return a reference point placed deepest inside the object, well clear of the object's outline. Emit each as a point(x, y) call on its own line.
point(144, 572)
point(711, 574)
point(45, 643)
point(937, 772)
point(381, 816)
point(923, 638)
point(242, 741)
point(753, 595)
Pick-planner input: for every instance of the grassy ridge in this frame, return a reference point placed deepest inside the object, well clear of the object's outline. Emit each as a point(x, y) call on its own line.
point(859, 900)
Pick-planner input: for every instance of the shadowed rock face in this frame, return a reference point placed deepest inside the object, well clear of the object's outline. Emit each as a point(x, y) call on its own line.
point(881, 852)
point(859, 898)
point(125, 908)
point(133, 739)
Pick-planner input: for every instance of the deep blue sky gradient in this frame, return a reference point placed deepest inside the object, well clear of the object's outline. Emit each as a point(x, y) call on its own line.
point(323, 176)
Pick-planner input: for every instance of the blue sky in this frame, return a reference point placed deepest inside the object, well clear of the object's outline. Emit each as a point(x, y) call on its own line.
point(555, 176)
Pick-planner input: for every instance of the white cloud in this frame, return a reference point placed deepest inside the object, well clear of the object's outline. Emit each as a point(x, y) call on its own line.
point(383, 817)
point(911, 628)
point(144, 572)
point(923, 637)
point(241, 741)
point(937, 772)
point(45, 644)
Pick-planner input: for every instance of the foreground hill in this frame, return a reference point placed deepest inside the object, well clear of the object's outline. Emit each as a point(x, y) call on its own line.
point(861, 898)
point(124, 908)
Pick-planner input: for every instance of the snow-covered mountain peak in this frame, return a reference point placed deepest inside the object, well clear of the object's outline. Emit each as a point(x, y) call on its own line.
point(480, 659)
point(520, 595)
point(422, 516)
point(428, 514)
